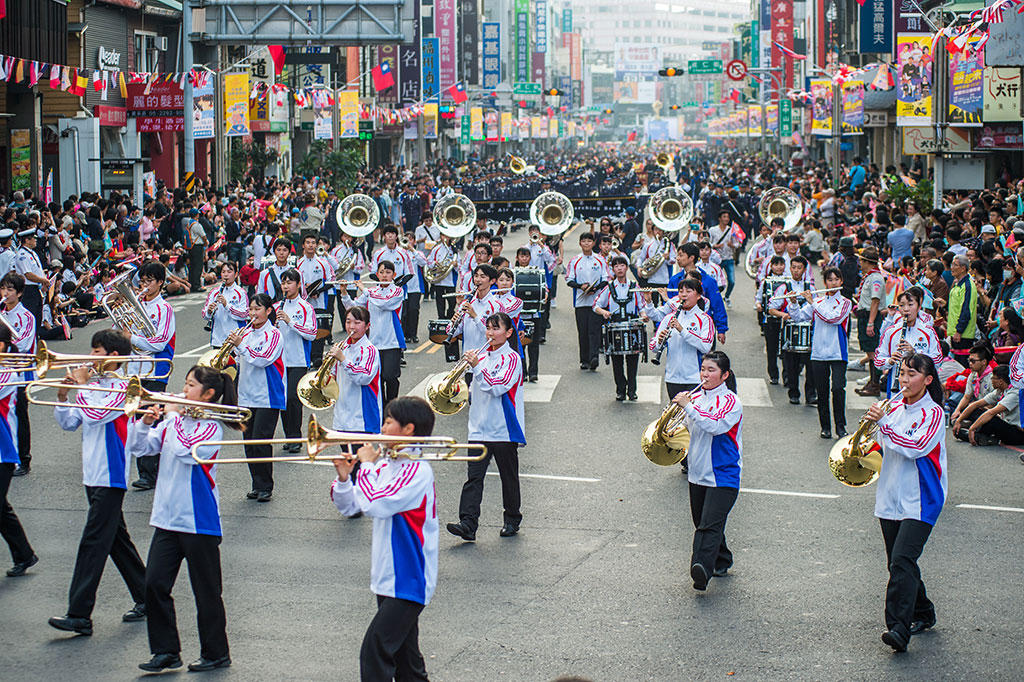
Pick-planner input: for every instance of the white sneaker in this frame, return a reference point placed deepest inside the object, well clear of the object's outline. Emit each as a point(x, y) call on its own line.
point(864, 381)
point(728, 304)
point(855, 366)
point(554, 304)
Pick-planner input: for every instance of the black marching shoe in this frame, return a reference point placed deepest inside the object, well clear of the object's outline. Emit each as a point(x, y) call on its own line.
point(825, 433)
point(22, 469)
point(812, 402)
point(620, 397)
point(20, 567)
point(632, 396)
point(80, 626)
point(896, 639)
point(251, 495)
point(135, 614)
point(593, 365)
point(508, 530)
point(773, 382)
point(720, 572)
point(841, 432)
point(919, 626)
point(143, 484)
point(700, 577)
point(458, 530)
point(533, 378)
point(794, 401)
point(264, 496)
point(161, 662)
point(201, 665)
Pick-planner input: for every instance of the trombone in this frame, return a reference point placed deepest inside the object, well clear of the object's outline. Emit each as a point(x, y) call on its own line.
point(136, 398)
point(44, 360)
point(318, 439)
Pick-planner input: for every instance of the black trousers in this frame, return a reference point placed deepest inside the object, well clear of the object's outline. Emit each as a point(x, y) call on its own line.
point(10, 526)
point(196, 260)
point(588, 332)
point(202, 552)
point(391, 646)
point(506, 455)
point(792, 364)
point(316, 351)
point(1006, 432)
point(905, 598)
point(445, 306)
point(411, 315)
point(24, 431)
point(710, 509)
point(829, 376)
point(390, 371)
point(32, 299)
point(291, 416)
point(533, 351)
point(149, 465)
point(625, 381)
point(963, 344)
point(676, 389)
point(262, 425)
point(772, 331)
point(105, 535)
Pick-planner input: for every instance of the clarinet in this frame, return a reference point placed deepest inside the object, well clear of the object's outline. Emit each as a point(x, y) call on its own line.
point(896, 368)
point(208, 327)
point(660, 348)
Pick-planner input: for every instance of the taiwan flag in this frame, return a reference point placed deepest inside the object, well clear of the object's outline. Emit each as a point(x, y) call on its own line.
point(382, 77)
point(458, 93)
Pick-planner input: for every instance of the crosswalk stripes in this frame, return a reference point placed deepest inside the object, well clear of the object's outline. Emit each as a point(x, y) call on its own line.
point(428, 347)
point(540, 392)
point(753, 391)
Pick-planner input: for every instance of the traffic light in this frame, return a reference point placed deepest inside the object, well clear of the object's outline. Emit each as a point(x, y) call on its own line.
point(674, 107)
point(555, 92)
point(670, 71)
point(608, 111)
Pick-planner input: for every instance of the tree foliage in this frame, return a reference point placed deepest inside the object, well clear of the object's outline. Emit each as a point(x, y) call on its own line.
point(250, 158)
point(337, 167)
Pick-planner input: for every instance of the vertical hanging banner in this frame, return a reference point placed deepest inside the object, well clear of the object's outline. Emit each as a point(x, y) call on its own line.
point(553, 128)
point(409, 64)
point(348, 113)
point(913, 79)
point(205, 121)
point(754, 121)
point(506, 125)
point(782, 33)
point(448, 43)
point(431, 70)
point(1002, 94)
point(540, 26)
point(476, 124)
point(323, 116)
point(493, 131)
point(567, 20)
point(821, 103)
point(853, 108)
point(492, 54)
point(876, 26)
point(537, 127)
point(470, 43)
point(772, 119)
point(967, 85)
point(236, 104)
point(388, 54)
point(522, 14)
point(430, 121)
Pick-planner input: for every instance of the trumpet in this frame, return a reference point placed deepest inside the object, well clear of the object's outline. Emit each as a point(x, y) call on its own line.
point(536, 238)
point(44, 360)
point(318, 439)
point(404, 241)
point(794, 294)
point(450, 393)
point(136, 398)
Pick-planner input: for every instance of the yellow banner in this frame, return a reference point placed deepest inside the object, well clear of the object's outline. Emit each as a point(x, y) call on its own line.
point(821, 103)
point(348, 113)
point(553, 128)
point(476, 123)
point(236, 105)
point(536, 127)
point(913, 79)
point(430, 121)
point(506, 125)
point(572, 128)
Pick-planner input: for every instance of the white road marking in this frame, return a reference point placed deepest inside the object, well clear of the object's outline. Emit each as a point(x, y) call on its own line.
point(194, 353)
point(788, 493)
point(648, 389)
point(575, 479)
point(540, 392)
point(753, 392)
point(986, 507)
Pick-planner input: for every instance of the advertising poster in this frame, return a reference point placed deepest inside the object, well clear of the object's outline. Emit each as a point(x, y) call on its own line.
point(236, 105)
point(323, 119)
point(492, 53)
point(1002, 94)
point(476, 123)
point(348, 113)
point(967, 85)
point(448, 42)
point(853, 108)
point(205, 118)
point(821, 106)
point(913, 79)
point(431, 68)
point(754, 121)
point(430, 121)
point(772, 122)
point(506, 125)
point(491, 126)
point(21, 159)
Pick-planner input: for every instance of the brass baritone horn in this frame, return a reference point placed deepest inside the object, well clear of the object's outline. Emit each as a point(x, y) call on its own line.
point(517, 165)
point(319, 439)
point(663, 160)
point(136, 398)
point(666, 439)
point(129, 314)
point(450, 393)
point(219, 358)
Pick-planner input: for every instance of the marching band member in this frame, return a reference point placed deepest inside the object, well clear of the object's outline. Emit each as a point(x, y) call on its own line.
point(357, 372)
point(687, 257)
point(508, 302)
point(414, 290)
point(472, 258)
point(296, 320)
point(655, 245)
point(345, 252)
point(28, 265)
point(830, 315)
point(911, 333)
point(151, 279)
point(794, 362)
point(496, 420)
point(687, 332)
point(314, 268)
point(12, 288)
point(227, 305)
point(385, 305)
point(910, 492)
point(476, 311)
point(587, 274)
point(705, 264)
point(778, 248)
point(714, 416)
point(770, 324)
point(258, 353)
point(105, 470)
point(390, 252)
point(398, 494)
point(532, 359)
point(270, 276)
point(480, 255)
point(186, 521)
point(620, 302)
point(10, 527)
point(442, 251)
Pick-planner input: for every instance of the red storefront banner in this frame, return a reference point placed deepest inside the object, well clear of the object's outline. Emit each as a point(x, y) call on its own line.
point(782, 33)
point(160, 110)
point(116, 117)
point(1000, 136)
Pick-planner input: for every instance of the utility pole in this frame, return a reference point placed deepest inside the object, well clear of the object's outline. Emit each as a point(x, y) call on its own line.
point(837, 131)
point(187, 61)
point(940, 110)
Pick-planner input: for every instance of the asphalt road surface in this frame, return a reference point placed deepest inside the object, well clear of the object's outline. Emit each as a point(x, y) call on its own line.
point(596, 583)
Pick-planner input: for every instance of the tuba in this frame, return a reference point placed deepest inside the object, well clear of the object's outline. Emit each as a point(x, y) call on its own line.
point(358, 215)
point(671, 209)
point(553, 212)
point(517, 165)
point(666, 439)
point(663, 160)
point(129, 314)
point(856, 460)
point(780, 202)
point(455, 215)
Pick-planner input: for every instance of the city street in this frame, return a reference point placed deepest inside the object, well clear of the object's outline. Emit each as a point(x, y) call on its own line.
point(596, 583)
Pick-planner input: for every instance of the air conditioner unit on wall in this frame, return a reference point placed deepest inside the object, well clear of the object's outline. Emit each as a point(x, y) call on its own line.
point(161, 43)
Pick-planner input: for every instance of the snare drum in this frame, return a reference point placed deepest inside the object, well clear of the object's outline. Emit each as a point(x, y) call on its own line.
point(529, 329)
point(625, 338)
point(324, 321)
point(796, 337)
point(531, 286)
point(436, 330)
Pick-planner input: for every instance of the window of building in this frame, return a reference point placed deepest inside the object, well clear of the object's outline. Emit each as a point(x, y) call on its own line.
point(146, 54)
